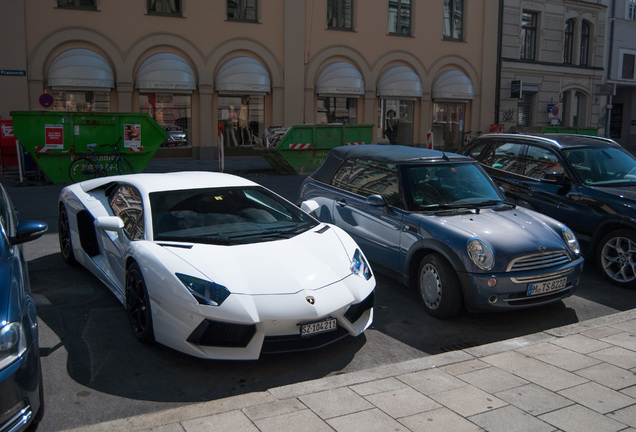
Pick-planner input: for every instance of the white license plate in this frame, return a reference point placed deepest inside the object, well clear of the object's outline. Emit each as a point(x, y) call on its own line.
point(318, 327)
point(547, 286)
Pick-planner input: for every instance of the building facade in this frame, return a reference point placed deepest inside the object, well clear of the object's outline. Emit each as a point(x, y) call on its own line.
point(621, 74)
point(242, 66)
point(552, 64)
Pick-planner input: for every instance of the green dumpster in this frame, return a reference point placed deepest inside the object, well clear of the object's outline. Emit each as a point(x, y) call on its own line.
point(56, 139)
point(570, 130)
point(300, 149)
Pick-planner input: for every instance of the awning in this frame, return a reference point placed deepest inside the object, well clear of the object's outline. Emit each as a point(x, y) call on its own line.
point(400, 82)
point(453, 85)
point(80, 68)
point(242, 75)
point(165, 71)
point(339, 78)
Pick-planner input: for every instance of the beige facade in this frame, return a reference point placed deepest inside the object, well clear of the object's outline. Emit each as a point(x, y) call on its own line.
point(287, 48)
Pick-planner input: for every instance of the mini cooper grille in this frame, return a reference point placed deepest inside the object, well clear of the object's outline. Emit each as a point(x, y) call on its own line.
point(539, 261)
point(221, 334)
point(355, 311)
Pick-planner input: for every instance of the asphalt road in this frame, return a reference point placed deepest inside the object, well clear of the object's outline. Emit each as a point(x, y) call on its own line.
point(95, 370)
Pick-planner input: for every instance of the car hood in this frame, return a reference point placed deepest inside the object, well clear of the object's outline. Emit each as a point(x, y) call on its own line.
point(511, 232)
point(308, 261)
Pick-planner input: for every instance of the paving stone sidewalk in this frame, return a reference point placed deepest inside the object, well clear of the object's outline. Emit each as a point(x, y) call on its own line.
point(580, 377)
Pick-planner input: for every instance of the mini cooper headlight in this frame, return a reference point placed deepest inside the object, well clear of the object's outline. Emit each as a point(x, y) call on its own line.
point(359, 265)
point(570, 240)
point(480, 253)
point(205, 292)
point(12, 343)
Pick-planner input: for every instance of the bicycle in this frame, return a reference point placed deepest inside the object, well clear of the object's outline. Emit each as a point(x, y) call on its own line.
point(89, 167)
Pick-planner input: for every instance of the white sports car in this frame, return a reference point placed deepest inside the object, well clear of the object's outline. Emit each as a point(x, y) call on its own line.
point(216, 266)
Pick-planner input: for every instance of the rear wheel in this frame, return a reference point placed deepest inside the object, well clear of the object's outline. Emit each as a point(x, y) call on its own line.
point(616, 257)
point(138, 305)
point(82, 169)
point(64, 236)
point(438, 286)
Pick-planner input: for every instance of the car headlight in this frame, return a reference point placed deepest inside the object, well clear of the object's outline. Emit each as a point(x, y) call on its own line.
point(571, 240)
point(205, 292)
point(359, 265)
point(480, 253)
point(12, 343)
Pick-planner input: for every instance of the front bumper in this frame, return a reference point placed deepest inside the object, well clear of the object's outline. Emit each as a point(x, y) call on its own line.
point(20, 393)
point(506, 291)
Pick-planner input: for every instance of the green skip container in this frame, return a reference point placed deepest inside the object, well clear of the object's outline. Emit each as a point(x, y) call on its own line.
point(56, 139)
point(301, 149)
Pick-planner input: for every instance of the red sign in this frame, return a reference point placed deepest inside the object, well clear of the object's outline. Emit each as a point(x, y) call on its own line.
point(6, 133)
point(54, 136)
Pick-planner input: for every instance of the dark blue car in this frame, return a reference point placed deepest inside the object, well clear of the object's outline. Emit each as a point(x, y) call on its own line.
point(20, 376)
point(587, 182)
point(438, 222)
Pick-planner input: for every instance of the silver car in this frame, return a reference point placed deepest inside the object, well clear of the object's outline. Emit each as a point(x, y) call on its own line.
point(438, 222)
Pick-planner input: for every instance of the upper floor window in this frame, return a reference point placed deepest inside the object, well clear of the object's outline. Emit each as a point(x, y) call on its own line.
point(568, 41)
point(77, 4)
point(453, 20)
point(242, 10)
point(631, 10)
point(164, 7)
point(585, 44)
point(628, 61)
point(528, 35)
point(340, 14)
point(400, 17)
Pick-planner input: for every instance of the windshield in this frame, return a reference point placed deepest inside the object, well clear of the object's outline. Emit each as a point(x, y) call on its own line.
point(450, 185)
point(609, 166)
point(225, 216)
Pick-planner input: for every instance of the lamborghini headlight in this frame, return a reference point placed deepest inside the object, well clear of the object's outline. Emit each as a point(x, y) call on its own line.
point(12, 343)
point(570, 240)
point(481, 253)
point(359, 265)
point(205, 292)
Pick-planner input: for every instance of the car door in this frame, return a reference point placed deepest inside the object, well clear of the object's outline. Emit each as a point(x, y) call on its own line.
point(375, 225)
point(125, 202)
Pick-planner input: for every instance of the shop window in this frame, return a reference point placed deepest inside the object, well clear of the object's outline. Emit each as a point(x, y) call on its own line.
point(528, 35)
point(77, 4)
point(448, 125)
point(242, 120)
point(242, 10)
point(81, 101)
point(568, 41)
point(170, 109)
point(164, 7)
point(340, 14)
point(585, 44)
point(335, 109)
point(400, 17)
point(525, 113)
point(395, 125)
point(453, 20)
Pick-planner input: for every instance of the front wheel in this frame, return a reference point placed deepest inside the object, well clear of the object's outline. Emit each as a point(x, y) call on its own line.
point(82, 169)
point(138, 305)
point(124, 167)
point(616, 257)
point(439, 287)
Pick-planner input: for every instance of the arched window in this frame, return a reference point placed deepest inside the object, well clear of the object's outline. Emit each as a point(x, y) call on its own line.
point(585, 44)
point(568, 41)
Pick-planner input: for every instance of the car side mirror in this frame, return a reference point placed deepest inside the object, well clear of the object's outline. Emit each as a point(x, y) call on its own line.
point(309, 206)
point(109, 223)
point(376, 201)
point(27, 231)
point(559, 179)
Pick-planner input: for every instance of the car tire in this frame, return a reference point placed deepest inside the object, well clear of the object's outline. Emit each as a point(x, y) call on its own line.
point(64, 236)
point(616, 258)
point(438, 286)
point(138, 305)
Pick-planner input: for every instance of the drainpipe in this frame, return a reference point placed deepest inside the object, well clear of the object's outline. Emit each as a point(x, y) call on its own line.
point(608, 112)
point(498, 78)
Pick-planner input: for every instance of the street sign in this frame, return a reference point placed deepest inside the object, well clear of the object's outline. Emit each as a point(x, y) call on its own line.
point(46, 100)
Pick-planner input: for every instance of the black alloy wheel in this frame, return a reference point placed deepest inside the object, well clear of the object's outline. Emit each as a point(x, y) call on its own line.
point(138, 305)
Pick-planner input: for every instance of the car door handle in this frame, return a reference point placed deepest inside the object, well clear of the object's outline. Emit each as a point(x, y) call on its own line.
point(341, 202)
